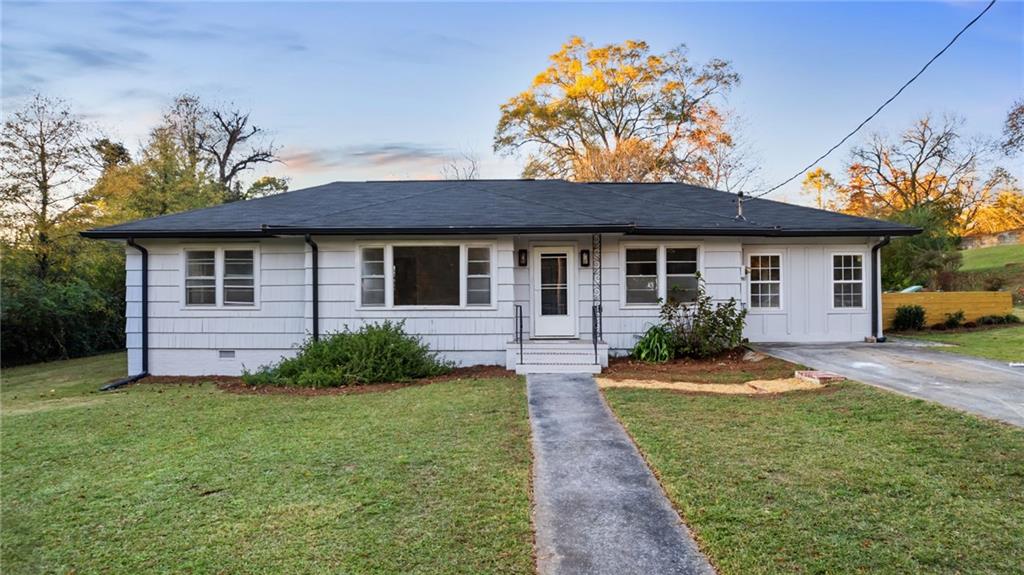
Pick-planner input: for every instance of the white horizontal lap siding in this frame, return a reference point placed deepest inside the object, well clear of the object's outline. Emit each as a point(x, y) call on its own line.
point(807, 313)
point(187, 340)
point(466, 336)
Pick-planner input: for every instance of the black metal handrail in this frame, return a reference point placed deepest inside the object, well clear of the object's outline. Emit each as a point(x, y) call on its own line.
point(519, 329)
point(595, 330)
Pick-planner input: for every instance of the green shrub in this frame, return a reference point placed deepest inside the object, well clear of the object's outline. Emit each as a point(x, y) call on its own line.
point(909, 317)
point(955, 319)
point(654, 346)
point(376, 353)
point(997, 319)
point(702, 328)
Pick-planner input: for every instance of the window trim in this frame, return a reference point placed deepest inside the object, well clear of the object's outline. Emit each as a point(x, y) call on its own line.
point(832, 281)
point(662, 248)
point(389, 279)
point(218, 270)
point(782, 281)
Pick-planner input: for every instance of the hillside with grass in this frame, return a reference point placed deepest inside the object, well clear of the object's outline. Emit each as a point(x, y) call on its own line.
point(995, 268)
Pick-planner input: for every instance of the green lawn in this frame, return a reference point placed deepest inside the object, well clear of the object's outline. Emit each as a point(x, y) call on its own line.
point(168, 478)
point(1003, 344)
point(992, 257)
point(855, 480)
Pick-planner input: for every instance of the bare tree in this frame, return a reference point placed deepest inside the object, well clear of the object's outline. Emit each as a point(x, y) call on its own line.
point(929, 164)
point(466, 166)
point(1013, 129)
point(46, 160)
point(186, 121)
point(717, 154)
point(235, 145)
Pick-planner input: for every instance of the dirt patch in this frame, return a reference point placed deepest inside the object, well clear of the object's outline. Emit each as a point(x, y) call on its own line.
point(232, 384)
point(729, 368)
point(753, 387)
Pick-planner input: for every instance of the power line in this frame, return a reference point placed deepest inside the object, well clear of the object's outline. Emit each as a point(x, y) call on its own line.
point(877, 111)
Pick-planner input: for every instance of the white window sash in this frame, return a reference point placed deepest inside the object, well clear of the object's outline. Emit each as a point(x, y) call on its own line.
point(779, 282)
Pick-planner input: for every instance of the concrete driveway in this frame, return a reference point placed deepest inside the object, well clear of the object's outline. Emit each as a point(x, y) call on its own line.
point(988, 388)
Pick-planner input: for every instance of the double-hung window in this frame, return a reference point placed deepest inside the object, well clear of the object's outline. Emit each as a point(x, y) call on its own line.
point(449, 275)
point(658, 272)
point(847, 280)
point(220, 277)
point(642, 275)
point(200, 277)
point(372, 282)
point(765, 281)
point(239, 277)
point(681, 274)
point(478, 276)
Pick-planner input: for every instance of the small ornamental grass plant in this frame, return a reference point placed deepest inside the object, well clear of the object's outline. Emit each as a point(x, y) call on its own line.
point(696, 329)
point(376, 353)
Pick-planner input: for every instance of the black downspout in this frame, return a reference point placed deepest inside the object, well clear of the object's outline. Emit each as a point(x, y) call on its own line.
point(145, 323)
point(876, 288)
point(316, 286)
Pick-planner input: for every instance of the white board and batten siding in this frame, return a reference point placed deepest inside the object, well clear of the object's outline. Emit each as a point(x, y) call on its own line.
point(188, 341)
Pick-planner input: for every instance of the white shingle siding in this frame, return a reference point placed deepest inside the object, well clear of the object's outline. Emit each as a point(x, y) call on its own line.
point(187, 341)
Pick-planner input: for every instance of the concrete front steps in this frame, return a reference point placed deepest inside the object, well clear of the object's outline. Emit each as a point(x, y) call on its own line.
point(556, 356)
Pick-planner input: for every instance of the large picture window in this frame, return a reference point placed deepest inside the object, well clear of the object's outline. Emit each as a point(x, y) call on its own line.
point(426, 275)
point(847, 280)
point(443, 275)
point(765, 281)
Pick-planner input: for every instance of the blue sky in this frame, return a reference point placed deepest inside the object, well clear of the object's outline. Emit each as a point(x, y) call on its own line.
point(360, 91)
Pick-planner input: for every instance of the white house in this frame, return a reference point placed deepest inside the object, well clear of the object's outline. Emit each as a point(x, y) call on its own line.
point(536, 275)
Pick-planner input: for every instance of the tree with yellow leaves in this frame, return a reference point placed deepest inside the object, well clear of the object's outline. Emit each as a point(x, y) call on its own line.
point(820, 184)
point(613, 113)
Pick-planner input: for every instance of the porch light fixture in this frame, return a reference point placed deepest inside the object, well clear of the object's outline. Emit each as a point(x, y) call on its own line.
point(585, 258)
point(522, 258)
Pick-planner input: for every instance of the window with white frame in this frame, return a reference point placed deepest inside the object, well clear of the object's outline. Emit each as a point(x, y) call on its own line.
point(220, 276)
point(478, 276)
point(681, 274)
point(239, 277)
point(765, 281)
point(372, 282)
point(847, 280)
point(424, 275)
point(641, 275)
point(200, 277)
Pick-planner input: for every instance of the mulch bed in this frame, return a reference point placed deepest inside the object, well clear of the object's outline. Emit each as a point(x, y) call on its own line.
point(712, 370)
point(233, 384)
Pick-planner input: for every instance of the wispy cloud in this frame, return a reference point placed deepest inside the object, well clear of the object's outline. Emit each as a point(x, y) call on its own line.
point(92, 57)
point(370, 155)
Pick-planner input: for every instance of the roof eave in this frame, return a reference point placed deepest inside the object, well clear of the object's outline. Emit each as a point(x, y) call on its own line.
point(272, 231)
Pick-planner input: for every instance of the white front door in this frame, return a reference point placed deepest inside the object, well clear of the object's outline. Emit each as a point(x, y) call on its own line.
point(554, 292)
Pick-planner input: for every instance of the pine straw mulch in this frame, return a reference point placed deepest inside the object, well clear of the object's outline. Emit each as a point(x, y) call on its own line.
point(233, 384)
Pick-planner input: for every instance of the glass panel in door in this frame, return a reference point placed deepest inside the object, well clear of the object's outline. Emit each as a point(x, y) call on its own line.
point(554, 284)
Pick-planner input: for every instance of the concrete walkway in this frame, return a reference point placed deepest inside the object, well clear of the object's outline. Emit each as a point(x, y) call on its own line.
point(598, 508)
point(981, 386)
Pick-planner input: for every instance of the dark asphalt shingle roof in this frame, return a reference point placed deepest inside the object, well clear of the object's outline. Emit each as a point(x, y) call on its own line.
point(492, 206)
